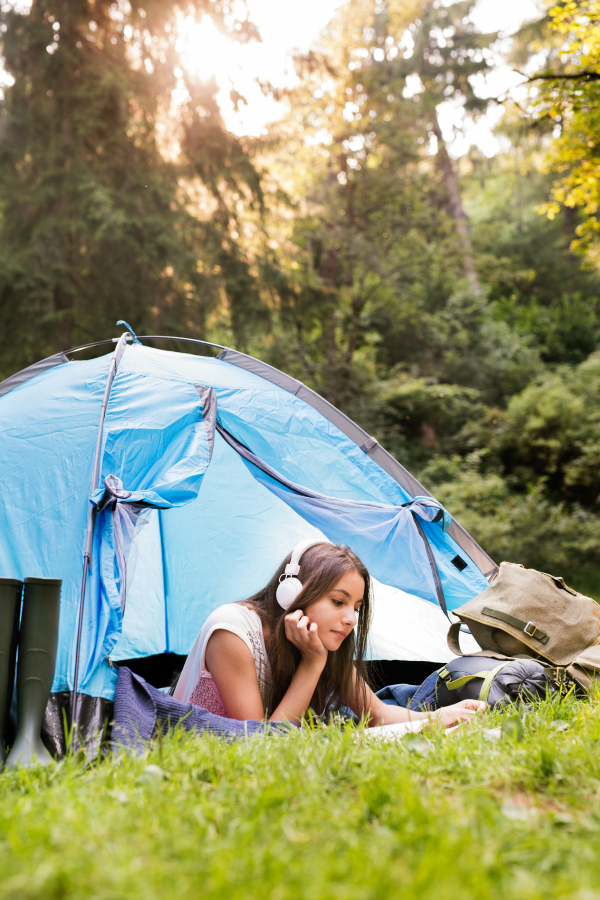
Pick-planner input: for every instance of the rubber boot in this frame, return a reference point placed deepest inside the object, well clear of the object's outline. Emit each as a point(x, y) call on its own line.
point(38, 640)
point(10, 611)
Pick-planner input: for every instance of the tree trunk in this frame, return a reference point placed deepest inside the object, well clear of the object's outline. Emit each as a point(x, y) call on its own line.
point(357, 305)
point(328, 323)
point(456, 209)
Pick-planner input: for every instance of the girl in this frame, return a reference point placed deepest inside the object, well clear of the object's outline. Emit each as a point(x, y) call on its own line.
point(299, 643)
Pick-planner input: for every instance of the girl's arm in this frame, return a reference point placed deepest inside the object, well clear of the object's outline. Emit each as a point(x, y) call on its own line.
point(381, 713)
point(231, 665)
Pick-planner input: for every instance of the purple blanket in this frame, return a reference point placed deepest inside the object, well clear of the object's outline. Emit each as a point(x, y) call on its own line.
point(142, 710)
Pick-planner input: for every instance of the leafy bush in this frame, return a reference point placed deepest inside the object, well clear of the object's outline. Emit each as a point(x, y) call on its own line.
point(477, 350)
point(552, 431)
point(418, 418)
point(527, 528)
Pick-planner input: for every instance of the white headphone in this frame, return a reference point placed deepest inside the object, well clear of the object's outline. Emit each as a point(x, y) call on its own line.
point(289, 585)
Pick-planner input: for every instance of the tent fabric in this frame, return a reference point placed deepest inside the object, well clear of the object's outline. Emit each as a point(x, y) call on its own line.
point(162, 461)
point(366, 443)
point(390, 540)
point(215, 530)
point(9, 384)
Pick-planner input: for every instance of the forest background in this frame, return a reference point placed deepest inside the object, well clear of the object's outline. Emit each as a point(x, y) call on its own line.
point(451, 307)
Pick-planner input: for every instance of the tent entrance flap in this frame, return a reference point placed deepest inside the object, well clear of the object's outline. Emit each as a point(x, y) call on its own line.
point(392, 541)
point(150, 460)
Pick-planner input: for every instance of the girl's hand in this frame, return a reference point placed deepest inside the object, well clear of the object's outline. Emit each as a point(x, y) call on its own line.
point(460, 712)
point(305, 636)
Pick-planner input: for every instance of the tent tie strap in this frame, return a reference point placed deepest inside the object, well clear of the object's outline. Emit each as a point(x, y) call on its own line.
point(130, 330)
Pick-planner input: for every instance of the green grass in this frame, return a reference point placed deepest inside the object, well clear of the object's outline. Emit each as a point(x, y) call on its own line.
point(320, 814)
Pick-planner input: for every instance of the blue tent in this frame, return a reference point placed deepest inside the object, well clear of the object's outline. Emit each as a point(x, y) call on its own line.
point(208, 471)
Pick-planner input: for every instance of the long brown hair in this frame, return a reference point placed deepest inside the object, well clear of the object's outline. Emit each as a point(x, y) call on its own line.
point(321, 567)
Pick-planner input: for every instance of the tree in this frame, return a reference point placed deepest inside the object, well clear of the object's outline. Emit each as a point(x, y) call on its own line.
point(448, 53)
point(570, 99)
point(372, 252)
point(534, 281)
point(114, 201)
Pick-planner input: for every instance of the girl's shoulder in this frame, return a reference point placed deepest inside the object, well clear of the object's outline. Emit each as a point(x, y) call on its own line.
point(233, 614)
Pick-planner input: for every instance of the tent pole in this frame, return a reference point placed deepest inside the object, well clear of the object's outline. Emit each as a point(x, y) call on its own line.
point(164, 571)
point(150, 337)
point(89, 538)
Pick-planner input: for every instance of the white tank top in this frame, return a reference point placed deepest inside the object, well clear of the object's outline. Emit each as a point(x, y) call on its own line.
point(196, 683)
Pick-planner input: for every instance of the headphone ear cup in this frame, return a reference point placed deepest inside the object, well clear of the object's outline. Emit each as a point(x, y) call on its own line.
point(287, 591)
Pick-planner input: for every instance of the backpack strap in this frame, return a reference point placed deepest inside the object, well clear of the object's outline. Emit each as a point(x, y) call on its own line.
point(527, 628)
point(452, 639)
point(485, 687)
point(488, 677)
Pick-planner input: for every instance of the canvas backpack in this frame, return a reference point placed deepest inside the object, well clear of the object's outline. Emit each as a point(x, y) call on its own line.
point(526, 613)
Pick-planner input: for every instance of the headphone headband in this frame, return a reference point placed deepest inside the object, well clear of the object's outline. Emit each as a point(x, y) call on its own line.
point(293, 567)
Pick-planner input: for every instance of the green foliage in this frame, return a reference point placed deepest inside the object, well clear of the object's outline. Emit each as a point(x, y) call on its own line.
point(97, 222)
point(477, 350)
point(373, 250)
point(523, 480)
point(571, 100)
point(538, 287)
point(552, 430)
point(322, 813)
point(420, 418)
point(527, 528)
point(448, 52)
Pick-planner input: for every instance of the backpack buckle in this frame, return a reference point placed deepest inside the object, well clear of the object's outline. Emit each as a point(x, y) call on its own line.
point(557, 675)
point(561, 675)
point(444, 674)
point(530, 629)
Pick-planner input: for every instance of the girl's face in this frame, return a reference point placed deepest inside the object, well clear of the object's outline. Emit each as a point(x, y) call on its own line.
point(336, 611)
